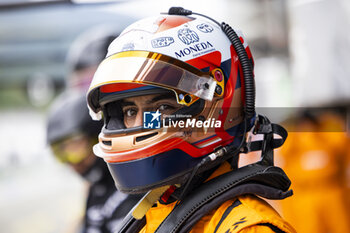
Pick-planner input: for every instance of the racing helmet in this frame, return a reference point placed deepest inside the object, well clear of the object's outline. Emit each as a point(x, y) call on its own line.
point(70, 131)
point(187, 58)
point(85, 54)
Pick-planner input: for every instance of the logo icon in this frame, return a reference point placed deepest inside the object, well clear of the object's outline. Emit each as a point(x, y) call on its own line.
point(151, 120)
point(205, 28)
point(128, 46)
point(162, 42)
point(187, 36)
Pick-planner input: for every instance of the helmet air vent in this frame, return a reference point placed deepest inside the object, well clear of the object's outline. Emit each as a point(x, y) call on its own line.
point(107, 143)
point(144, 137)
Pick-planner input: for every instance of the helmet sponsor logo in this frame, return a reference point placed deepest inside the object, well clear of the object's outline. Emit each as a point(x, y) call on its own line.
point(187, 36)
point(151, 120)
point(162, 42)
point(196, 50)
point(205, 28)
point(191, 123)
point(128, 46)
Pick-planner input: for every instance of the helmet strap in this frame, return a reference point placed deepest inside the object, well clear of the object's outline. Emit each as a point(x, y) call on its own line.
point(148, 201)
point(269, 143)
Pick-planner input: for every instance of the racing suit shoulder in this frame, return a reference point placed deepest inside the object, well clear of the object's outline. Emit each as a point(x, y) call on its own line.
point(247, 214)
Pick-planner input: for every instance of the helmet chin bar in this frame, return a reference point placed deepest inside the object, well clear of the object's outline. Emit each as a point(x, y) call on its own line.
point(123, 130)
point(177, 180)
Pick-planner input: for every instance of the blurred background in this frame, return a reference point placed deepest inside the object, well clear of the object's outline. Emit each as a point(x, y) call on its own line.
point(301, 51)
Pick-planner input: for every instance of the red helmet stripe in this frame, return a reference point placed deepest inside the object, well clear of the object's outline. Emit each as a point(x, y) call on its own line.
point(115, 87)
point(229, 92)
point(172, 21)
point(212, 60)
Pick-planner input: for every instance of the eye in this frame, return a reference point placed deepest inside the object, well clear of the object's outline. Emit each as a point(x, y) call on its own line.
point(130, 112)
point(164, 107)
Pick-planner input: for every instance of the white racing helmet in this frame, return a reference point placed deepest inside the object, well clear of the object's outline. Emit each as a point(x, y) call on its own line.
point(188, 58)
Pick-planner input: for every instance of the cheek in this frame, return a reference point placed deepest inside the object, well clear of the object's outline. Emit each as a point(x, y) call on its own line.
point(129, 122)
point(134, 120)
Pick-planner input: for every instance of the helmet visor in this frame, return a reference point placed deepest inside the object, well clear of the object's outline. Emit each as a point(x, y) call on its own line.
point(73, 150)
point(151, 69)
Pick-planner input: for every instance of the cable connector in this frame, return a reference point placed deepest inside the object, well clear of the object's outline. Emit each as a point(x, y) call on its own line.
point(217, 154)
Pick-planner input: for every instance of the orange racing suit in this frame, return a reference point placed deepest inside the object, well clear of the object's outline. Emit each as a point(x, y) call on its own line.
point(244, 214)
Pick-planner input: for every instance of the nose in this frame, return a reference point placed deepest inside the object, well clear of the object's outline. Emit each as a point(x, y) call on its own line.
point(139, 119)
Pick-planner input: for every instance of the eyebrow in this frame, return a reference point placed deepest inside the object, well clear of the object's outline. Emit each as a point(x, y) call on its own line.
point(155, 99)
point(161, 97)
point(124, 104)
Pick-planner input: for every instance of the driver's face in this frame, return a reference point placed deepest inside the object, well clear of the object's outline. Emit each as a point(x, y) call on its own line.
point(134, 107)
